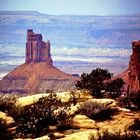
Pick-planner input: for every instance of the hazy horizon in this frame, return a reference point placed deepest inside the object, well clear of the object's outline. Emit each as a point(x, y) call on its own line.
point(78, 7)
point(71, 14)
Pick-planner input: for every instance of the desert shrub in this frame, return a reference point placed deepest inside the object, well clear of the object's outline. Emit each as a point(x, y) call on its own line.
point(136, 125)
point(7, 101)
point(74, 97)
point(91, 108)
point(114, 87)
point(125, 102)
point(105, 114)
point(135, 98)
point(64, 118)
point(106, 135)
point(131, 101)
point(96, 110)
point(99, 82)
point(35, 118)
point(8, 104)
point(4, 134)
point(94, 81)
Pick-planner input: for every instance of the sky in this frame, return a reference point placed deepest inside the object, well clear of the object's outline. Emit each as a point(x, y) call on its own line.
point(73, 7)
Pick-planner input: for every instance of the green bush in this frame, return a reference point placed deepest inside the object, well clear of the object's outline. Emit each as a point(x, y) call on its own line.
point(114, 87)
point(115, 136)
point(33, 120)
point(99, 82)
point(94, 81)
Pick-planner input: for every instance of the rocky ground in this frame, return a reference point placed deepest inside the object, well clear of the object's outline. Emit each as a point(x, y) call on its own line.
point(83, 126)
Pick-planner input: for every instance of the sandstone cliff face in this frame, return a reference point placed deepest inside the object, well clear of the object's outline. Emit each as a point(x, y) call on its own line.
point(132, 75)
point(36, 49)
point(134, 68)
point(37, 74)
point(37, 78)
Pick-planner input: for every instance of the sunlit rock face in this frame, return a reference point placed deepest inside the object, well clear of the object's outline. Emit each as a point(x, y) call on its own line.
point(37, 74)
point(134, 68)
point(132, 75)
point(36, 49)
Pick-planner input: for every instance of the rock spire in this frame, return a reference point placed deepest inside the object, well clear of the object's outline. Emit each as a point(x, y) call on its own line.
point(36, 49)
point(37, 74)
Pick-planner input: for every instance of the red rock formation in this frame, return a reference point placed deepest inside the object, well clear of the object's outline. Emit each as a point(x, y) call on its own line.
point(36, 49)
point(134, 68)
point(37, 74)
point(132, 75)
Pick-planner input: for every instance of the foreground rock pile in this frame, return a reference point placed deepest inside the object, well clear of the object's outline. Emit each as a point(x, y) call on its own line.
point(82, 125)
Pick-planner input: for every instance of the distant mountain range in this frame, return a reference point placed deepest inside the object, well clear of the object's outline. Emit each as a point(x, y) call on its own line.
point(88, 39)
point(117, 21)
point(95, 29)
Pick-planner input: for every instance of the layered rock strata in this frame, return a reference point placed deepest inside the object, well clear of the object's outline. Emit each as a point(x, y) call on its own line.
point(37, 74)
point(36, 49)
point(132, 75)
point(134, 68)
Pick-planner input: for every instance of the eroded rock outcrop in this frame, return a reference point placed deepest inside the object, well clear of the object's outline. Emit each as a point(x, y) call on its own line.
point(134, 68)
point(36, 49)
point(132, 75)
point(37, 74)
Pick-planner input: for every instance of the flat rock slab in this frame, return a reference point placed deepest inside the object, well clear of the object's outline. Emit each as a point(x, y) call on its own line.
point(40, 138)
point(82, 121)
point(84, 135)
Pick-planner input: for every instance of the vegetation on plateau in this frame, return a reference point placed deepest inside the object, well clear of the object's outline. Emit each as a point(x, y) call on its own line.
point(99, 83)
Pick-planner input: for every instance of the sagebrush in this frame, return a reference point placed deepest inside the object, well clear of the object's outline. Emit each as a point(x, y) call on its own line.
point(34, 120)
point(96, 110)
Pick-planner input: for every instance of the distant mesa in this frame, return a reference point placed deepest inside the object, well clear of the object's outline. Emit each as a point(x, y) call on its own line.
point(132, 75)
point(37, 74)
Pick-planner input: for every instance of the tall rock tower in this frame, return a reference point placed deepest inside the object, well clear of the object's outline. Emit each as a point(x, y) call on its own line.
point(134, 68)
point(36, 49)
point(37, 74)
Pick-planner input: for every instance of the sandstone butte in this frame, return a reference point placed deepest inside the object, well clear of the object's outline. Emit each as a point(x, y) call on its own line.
point(37, 74)
point(132, 75)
